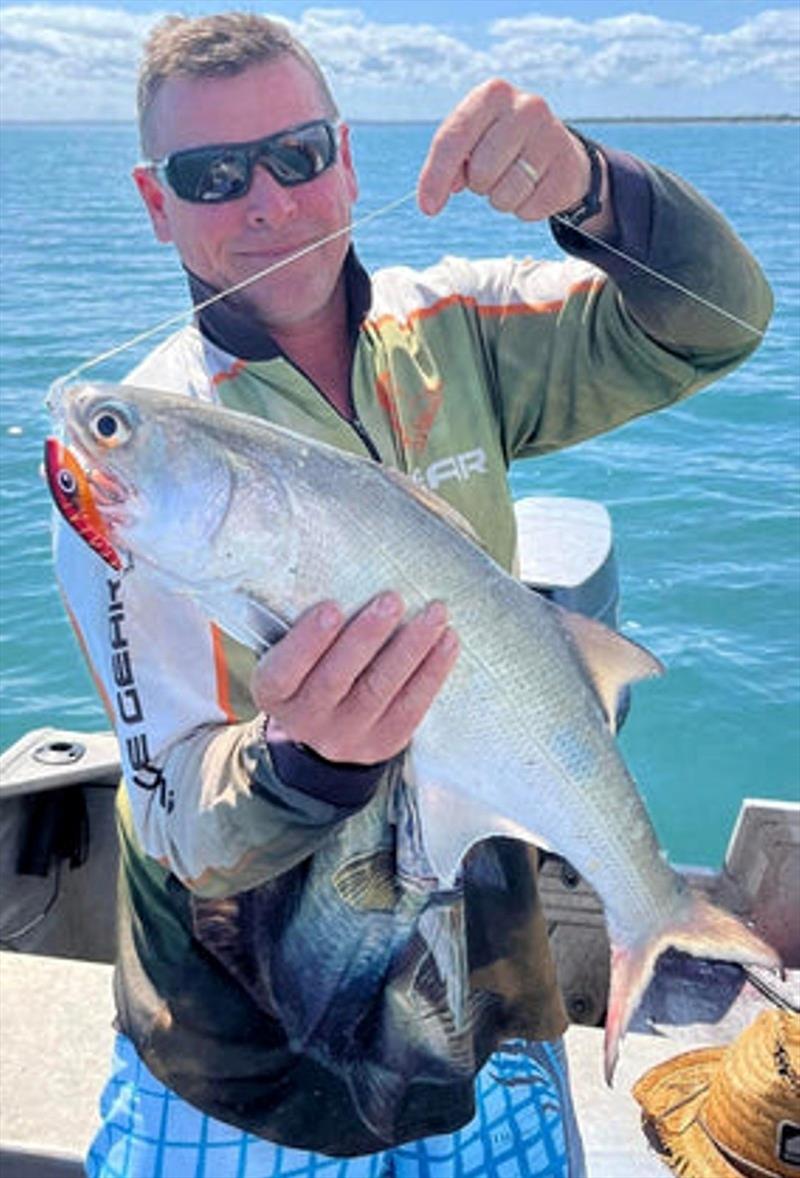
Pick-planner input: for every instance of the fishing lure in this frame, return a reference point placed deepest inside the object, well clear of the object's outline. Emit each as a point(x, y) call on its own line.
point(72, 494)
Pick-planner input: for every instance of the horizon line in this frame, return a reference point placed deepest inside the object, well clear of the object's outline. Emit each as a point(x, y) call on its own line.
point(784, 117)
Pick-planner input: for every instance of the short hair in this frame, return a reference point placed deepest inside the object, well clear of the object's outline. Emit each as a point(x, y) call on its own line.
point(220, 45)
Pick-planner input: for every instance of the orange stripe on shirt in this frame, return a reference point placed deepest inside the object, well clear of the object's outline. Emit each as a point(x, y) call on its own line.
point(98, 682)
point(229, 373)
point(542, 308)
point(222, 676)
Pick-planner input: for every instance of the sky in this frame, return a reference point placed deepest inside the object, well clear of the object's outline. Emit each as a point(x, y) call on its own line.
point(415, 59)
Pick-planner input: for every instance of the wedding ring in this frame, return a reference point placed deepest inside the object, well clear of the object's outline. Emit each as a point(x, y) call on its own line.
point(529, 170)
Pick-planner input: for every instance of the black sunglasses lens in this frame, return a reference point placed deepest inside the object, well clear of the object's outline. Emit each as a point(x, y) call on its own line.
point(210, 175)
point(299, 156)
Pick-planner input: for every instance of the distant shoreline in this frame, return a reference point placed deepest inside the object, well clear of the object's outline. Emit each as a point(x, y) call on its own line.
point(784, 118)
point(685, 119)
point(780, 118)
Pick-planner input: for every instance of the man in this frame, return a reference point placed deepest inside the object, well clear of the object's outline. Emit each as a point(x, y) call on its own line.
point(265, 808)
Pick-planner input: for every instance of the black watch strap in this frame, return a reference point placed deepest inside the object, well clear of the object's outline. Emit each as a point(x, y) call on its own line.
point(590, 204)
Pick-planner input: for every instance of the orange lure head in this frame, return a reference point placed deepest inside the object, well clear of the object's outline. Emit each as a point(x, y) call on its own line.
point(72, 494)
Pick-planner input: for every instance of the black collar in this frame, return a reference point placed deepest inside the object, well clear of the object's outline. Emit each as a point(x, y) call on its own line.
point(231, 325)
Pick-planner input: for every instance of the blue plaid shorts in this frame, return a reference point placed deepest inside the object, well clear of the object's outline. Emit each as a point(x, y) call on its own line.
point(524, 1127)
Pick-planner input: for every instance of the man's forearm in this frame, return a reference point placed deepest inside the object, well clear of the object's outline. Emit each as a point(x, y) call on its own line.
point(662, 224)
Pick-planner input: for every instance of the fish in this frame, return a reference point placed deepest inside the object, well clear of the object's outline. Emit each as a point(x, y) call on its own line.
point(256, 524)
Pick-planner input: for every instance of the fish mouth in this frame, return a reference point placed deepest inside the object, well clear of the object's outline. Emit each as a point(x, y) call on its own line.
point(113, 494)
point(113, 501)
point(105, 492)
point(109, 488)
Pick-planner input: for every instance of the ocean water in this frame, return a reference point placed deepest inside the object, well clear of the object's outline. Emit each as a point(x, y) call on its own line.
point(703, 497)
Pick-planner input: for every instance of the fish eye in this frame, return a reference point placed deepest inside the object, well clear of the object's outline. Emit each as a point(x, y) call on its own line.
point(67, 482)
point(111, 424)
point(107, 425)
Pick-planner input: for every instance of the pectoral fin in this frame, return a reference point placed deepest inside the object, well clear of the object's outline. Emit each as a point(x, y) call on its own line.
point(451, 822)
point(247, 621)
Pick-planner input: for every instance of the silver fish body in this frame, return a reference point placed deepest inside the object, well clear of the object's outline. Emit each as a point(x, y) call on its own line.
point(255, 521)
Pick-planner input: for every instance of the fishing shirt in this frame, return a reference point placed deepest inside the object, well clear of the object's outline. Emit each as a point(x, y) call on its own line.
point(277, 968)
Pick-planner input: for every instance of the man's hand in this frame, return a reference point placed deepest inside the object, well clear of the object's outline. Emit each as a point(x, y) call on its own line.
point(481, 143)
point(355, 691)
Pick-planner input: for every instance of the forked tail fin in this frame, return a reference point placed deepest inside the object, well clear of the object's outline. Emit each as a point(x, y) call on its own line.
point(704, 931)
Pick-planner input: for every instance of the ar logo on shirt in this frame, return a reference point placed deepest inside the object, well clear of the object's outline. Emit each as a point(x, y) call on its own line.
point(411, 413)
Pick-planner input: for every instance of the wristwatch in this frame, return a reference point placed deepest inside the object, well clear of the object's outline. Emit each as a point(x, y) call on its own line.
point(590, 204)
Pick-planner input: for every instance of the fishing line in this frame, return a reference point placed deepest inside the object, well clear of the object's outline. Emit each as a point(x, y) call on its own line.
point(661, 277)
point(183, 316)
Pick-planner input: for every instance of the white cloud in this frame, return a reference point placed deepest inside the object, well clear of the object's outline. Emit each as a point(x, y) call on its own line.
point(79, 61)
point(772, 28)
point(415, 55)
point(769, 44)
point(643, 63)
point(546, 28)
point(646, 50)
point(635, 26)
point(69, 61)
point(331, 17)
point(72, 33)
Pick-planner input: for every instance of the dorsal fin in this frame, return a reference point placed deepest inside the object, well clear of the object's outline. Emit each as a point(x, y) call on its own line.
point(434, 503)
point(610, 660)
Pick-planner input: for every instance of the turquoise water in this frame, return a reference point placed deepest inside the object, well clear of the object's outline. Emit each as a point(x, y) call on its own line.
point(704, 498)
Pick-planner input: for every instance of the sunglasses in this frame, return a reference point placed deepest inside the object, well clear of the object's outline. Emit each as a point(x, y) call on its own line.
point(225, 172)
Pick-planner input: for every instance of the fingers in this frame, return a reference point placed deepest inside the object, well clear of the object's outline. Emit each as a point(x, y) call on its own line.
point(514, 188)
point(281, 671)
point(328, 685)
point(356, 691)
point(479, 147)
point(403, 657)
point(502, 143)
point(409, 706)
point(444, 170)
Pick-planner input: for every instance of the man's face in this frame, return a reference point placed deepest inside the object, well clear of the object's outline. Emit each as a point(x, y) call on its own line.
point(224, 243)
